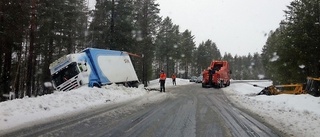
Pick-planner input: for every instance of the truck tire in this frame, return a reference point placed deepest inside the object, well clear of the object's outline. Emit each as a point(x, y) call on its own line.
point(97, 85)
point(134, 84)
point(131, 84)
point(227, 84)
point(204, 85)
point(220, 85)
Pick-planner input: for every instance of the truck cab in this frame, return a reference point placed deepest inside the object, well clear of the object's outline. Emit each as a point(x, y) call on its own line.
point(68, 72)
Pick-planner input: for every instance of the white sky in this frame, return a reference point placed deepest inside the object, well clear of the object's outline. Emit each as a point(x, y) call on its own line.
point(236, 26)
point(297, 115)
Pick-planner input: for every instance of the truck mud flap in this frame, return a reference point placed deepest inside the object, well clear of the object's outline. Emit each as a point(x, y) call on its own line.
point(206, 86)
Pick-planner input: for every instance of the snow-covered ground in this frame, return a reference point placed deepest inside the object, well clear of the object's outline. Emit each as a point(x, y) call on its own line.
point(18, 113)
point(295, 114)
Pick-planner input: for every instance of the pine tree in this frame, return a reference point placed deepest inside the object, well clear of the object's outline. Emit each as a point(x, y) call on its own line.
point(99, 30)
point(295, 44)
point(146, 20)
point(165, 43)
point(14, 20)
point(187, 48)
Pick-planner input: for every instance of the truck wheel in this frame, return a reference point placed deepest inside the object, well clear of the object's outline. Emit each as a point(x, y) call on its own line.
point(134, 84)
point(96, 85)
point(131, 84)
point(221, 84)
point(204, 85)
point(227, 84)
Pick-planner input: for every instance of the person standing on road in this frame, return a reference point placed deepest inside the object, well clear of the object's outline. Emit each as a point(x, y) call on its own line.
point(173, 76)
point(162, 81)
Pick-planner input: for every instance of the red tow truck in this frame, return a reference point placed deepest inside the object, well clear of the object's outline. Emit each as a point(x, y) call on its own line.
point(216, 75)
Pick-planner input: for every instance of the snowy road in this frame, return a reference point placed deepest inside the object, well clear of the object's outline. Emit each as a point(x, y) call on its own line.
point(185, 111)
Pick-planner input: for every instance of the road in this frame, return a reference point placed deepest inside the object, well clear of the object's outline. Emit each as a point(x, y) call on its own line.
point(185, 111)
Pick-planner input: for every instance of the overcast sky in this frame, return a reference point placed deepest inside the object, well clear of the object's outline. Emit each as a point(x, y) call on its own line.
point(236, 26)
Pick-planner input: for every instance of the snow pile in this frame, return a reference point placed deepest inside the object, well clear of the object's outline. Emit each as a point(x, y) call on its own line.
point(155, 83)
point(298, 115)
point(20, 112)
point(295, 114)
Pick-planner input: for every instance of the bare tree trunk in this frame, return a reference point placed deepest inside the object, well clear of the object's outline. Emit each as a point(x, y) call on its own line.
point(186, 70)
point(112, 43)
point(2, 41)
point(24, 74)
point(31, 50)
point(17, 77)
point(6, 78)
point(34, 74)
point(70, 43)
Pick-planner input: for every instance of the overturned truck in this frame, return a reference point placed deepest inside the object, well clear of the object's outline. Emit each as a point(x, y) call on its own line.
point(93, 67)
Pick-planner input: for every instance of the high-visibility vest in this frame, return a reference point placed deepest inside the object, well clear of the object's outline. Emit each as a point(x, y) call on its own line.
point(173, 76)
point(163, 76)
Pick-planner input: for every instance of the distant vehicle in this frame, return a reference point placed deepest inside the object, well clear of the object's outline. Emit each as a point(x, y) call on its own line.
point(217, 74)
point(95, 67)
point(199, 79)
point(193, 79)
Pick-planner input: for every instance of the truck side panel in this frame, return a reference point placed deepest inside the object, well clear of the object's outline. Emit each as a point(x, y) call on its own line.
point(117, 68)
point(111, 66)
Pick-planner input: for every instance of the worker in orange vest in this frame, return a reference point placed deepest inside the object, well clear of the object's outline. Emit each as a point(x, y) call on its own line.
point(162, 81)
point(173, 76)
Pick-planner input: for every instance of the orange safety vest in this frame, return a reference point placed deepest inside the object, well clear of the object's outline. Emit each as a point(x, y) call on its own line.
point(163, 76)
point(173, 76)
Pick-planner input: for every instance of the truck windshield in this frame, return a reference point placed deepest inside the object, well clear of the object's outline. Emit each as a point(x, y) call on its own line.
point(217, 66)
point(65, 73)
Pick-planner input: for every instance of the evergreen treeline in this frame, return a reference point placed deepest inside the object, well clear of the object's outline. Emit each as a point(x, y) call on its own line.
point(35, 33)
point(292, 51)
point(32, 35)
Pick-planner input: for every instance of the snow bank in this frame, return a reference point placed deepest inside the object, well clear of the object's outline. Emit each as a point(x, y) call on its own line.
point(295, 114)
point(155, 83)
point(21, 112)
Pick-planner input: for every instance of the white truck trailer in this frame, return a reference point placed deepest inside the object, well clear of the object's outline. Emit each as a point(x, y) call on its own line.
point(93, 67)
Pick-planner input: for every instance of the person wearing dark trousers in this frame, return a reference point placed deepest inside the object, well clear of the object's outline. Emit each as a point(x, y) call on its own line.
point(173, 76)
point(162, 81)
